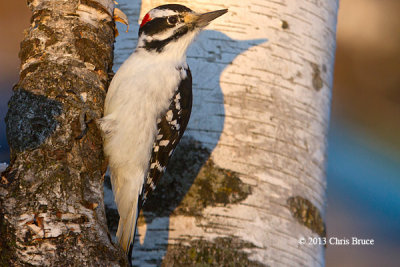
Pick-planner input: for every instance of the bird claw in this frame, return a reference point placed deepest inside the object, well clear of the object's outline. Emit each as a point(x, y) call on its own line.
point(122, 18)
point(85, 117)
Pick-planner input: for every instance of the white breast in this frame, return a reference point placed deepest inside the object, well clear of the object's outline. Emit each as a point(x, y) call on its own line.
point(139, 92)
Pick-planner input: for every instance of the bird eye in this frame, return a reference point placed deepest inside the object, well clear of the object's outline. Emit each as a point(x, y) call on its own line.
point(172, 20)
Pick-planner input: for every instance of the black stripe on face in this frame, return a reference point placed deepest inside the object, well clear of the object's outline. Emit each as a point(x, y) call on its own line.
point(155, 26)
point(158, 45)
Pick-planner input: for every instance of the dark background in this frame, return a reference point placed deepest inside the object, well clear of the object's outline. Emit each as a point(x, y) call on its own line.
point(364, 146)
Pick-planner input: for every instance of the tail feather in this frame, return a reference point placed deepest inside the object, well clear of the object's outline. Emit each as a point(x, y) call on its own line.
point(127, 228)
point(127, 186)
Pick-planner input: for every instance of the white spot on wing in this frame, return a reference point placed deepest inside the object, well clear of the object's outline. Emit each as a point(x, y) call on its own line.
point(159, 167)
point(164, 142)
point(170, 115)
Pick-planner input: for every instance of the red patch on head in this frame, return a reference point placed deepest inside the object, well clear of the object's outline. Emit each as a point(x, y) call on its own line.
point(146, 19)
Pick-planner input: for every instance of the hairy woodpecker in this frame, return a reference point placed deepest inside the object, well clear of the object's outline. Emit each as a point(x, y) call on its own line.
point(147, 108)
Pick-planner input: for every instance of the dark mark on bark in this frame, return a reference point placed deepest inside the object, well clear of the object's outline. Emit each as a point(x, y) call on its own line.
point(317, 81)
point(88, 51)
point(96, 53)
point(28, 126)
point(285, 25)
point(7, 241)
point(29, 48)
point(39, 14)
point(80, 220)
point(31, 68)
point(50, 34)
point(7, 177)
point(307, 214)
point(213, 186)
point(93, 141)
point(228, 251)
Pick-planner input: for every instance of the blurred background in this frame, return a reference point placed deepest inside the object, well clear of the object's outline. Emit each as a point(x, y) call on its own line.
point(363, 168)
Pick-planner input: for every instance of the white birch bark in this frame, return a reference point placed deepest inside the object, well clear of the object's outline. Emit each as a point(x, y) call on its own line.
point(262, 78)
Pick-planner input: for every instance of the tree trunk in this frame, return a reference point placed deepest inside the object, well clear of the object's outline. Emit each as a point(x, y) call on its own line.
point(247, 181)
point(51, 195)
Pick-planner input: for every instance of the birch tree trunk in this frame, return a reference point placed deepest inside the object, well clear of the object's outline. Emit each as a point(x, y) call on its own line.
point(247, 182)
point(51, 195)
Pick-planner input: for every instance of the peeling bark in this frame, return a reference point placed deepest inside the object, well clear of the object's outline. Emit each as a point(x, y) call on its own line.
point(52, 211)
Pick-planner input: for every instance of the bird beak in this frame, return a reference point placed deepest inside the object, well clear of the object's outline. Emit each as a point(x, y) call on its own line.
point(202, 20)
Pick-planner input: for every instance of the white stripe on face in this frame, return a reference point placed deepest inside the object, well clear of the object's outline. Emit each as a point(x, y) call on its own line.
point(157, 13)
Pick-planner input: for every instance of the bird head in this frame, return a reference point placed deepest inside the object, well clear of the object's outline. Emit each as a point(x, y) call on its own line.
point(170, 29)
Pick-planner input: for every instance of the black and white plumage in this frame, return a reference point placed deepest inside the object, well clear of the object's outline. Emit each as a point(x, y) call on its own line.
point(171, 127)
point(147, 108)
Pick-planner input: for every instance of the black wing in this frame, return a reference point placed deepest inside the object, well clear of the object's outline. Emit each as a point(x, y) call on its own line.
point(171, 126)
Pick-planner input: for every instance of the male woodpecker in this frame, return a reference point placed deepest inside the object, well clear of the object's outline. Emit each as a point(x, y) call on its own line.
point(147, 108)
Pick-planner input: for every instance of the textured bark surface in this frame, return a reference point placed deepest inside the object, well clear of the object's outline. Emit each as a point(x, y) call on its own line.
point(247, 181)
point(51, 195)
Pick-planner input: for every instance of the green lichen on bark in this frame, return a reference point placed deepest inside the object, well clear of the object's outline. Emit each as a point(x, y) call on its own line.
point(193, 182)
point(307, 214)
point(213, 186)
point(218, 252)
